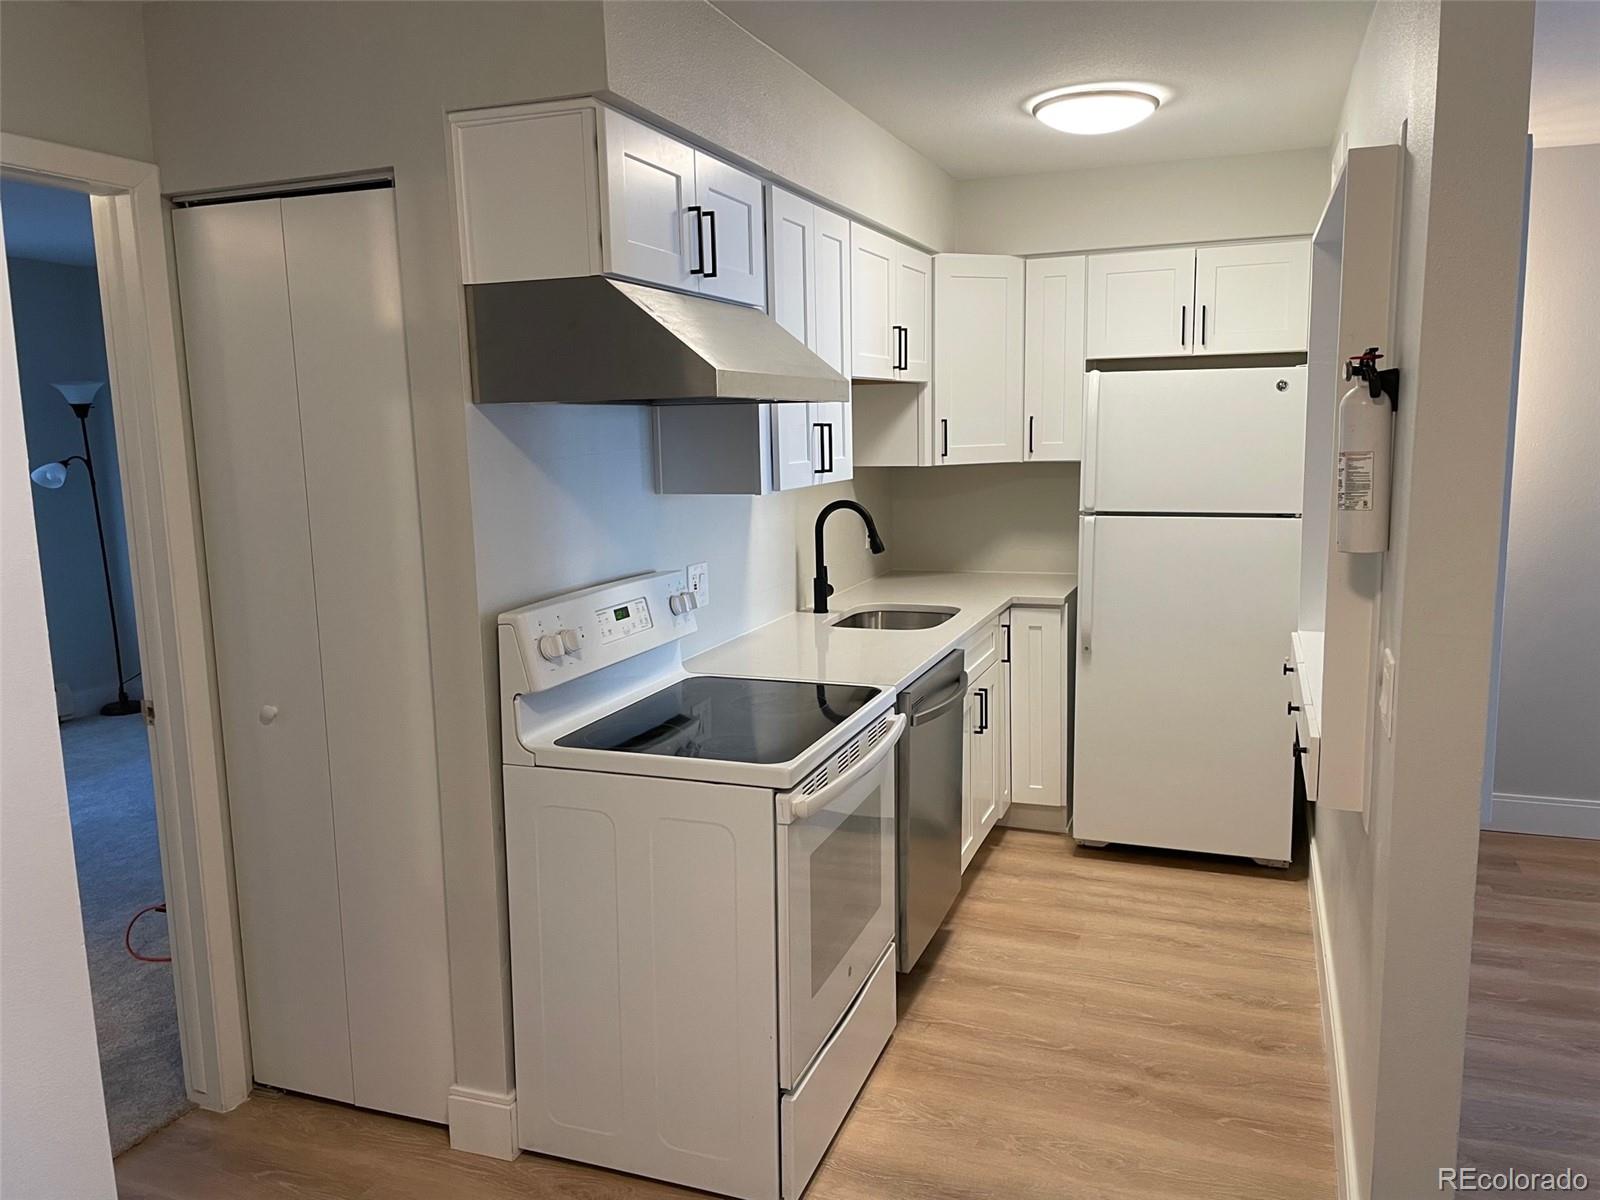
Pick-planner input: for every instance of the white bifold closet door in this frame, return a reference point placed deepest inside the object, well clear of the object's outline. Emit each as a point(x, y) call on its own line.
point(302, 417)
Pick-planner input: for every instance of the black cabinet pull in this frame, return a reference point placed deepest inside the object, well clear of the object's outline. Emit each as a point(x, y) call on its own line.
point(944, 431)
point(1287, 669)
point(983, 710)
point(1298, 749)
point(1007, 657)
point(898, 330)
point(1183, 327)
point(822, 455)
point(711, 215)
point(905, 347)
point(1030, 435)
point(1293, 708)
point(830, 466)
point(1202, 324)
point(699, 242)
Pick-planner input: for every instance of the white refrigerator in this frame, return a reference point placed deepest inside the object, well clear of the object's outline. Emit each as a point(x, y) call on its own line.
point(1188, 561)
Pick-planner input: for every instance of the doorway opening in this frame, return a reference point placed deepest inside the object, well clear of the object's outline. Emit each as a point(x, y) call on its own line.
point(81, 527)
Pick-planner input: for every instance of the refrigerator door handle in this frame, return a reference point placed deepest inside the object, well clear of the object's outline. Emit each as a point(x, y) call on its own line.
point(1086, 584)
point(1091, 437)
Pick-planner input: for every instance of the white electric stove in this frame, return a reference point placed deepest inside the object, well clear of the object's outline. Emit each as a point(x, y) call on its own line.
point(701, 880)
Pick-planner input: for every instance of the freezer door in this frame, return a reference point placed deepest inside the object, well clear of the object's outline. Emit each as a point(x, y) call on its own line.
point(1225, 441)
point(1181, 736)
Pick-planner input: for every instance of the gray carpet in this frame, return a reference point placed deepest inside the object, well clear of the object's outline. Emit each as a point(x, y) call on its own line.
point(119, 871)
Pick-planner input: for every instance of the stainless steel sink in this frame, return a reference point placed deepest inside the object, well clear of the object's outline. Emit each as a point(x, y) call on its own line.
point(903, 617)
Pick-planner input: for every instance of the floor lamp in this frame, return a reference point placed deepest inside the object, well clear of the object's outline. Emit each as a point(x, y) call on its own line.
point(80, 398)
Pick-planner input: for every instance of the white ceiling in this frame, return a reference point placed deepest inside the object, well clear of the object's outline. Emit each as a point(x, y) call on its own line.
point(47, 223)
point(949, 77)
point(1564, 109)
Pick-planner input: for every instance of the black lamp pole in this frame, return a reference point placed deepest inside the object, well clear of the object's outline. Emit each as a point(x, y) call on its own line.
point(122, 706)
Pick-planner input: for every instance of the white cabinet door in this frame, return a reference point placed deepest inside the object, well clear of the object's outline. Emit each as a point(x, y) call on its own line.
point(1141, 304)
point(875, 346)
point(527, 194)
point(1053, 358)
point(733, 230)
point(1000, 702)
point(970, 752)
point(650, 234)
point(832, 291)
point(913, 312)
point(1038, 706)
point(978, 393)
point(1252, 298)
point(791, 253)
point(795, 443)
point(831, 425)
point(982, 794)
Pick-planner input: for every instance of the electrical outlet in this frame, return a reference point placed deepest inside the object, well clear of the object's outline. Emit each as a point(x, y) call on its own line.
point(1386, 693)
point(699, 577)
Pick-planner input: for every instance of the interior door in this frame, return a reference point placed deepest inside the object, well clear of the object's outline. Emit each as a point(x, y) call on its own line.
point(874, 346)
point(1141, 304)
point(1053, 358)
point(1181, 728)
point(735, 232)
point(1253, 298)
point(832, 291)
point(1218, 441)
point(650, 184)
point(977, 395)
point(245, 406)
point(913, 309)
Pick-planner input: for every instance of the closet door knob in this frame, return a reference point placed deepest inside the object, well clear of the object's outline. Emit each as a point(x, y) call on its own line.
point(269, 713)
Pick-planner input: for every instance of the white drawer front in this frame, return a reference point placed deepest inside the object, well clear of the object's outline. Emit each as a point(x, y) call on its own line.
point(812, 1113)
point(985, 647)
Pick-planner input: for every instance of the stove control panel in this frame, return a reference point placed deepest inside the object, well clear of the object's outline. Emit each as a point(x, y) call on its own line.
point(548, 642)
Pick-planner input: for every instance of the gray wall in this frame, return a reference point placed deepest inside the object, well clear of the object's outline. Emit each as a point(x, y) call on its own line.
point(60, 339)
point(1547, 764)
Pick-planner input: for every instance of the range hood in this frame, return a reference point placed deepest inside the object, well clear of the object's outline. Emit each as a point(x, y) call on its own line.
point(594, 340)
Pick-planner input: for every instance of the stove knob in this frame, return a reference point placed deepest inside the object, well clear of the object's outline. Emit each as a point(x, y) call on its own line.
point(551, 647)
point(569, 640)
point(678, 602)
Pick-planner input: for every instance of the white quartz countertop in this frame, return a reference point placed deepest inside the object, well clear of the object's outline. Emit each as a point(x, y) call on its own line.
point(807, 647)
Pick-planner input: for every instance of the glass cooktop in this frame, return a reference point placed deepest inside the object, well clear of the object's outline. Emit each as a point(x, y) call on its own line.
point(727, 718)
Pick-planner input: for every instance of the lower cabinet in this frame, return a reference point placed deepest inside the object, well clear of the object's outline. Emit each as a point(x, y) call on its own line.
point(1038, 654)
point(986, 760)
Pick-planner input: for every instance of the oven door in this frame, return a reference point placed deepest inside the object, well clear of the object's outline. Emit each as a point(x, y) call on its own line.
point(836, 864)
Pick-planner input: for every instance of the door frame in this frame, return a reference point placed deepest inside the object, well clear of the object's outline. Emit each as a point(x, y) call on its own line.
point(172, 611)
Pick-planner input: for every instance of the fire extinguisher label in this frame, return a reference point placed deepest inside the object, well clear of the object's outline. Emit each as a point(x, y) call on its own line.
point(1355, 480)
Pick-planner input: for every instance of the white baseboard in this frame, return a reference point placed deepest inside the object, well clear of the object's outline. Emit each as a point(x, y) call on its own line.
point(1552, 816)
point(1351, 1186)
point(483, 1122)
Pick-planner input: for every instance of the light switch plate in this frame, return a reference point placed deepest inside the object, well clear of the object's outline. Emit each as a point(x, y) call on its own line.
point(699, 576)
point(1386, 693)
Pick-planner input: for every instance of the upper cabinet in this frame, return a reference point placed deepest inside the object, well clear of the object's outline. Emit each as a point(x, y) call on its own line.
point(892, 308)
point(1252, 298)
point(1236, 299)
point(977, 393)
point(545, 191)
point(1052, 373)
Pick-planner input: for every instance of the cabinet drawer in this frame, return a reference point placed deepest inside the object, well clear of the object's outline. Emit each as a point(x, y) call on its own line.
point(1305, 738)
point(811, 1114)
point(986, 647)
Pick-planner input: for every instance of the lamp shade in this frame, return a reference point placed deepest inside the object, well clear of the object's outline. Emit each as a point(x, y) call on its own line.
point(52, 475)
point(82, 392)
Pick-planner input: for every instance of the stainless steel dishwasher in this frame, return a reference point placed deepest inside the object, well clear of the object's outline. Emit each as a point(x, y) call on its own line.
point(928, 804)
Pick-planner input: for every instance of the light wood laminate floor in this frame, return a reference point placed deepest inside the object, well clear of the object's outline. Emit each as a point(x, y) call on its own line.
point(1531, 1084)
point(1088, 1024)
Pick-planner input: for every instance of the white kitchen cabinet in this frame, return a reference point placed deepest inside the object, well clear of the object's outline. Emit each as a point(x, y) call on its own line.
point(1140, 303)
point(971, 772)
point(1053, 354)
point(985, 766)
point(1252, 298)
point(1038, 711)
point(978, 392)
point(750, 449)
point(547, 191)
point(832, 291)
point(891, 288)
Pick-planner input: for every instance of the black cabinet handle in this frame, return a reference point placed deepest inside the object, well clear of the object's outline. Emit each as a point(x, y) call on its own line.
point(1202, 324)
point(1298, 749)
point(1030, 435)
point(1287, 669)
point(1007, 657)
point(944, 432)
point(899, 346)
point(983, 710)
point(711, 215)
point(699, 241)
point(905, 347)
point(830, 465)
point(822, 455)
point(1183, 327)
point(1293, 708)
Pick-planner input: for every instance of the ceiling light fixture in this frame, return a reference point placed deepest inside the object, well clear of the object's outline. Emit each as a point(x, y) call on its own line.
point(1094, 110)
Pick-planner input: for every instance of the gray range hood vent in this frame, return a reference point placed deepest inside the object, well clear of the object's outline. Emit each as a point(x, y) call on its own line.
point(594, 340)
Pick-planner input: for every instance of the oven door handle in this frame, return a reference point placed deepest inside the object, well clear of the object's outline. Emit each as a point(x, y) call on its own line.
point(801, 807)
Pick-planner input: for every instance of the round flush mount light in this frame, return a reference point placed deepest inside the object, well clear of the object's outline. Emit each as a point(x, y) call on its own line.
point(1094, 109)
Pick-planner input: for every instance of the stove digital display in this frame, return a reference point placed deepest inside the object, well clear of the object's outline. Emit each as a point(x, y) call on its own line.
point(624, 620)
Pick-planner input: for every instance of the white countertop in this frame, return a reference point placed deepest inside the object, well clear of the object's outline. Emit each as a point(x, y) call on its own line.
point(805, 646)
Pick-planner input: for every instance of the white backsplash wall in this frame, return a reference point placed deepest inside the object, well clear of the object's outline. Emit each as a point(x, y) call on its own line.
point(563, 497)
point(995, 517)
